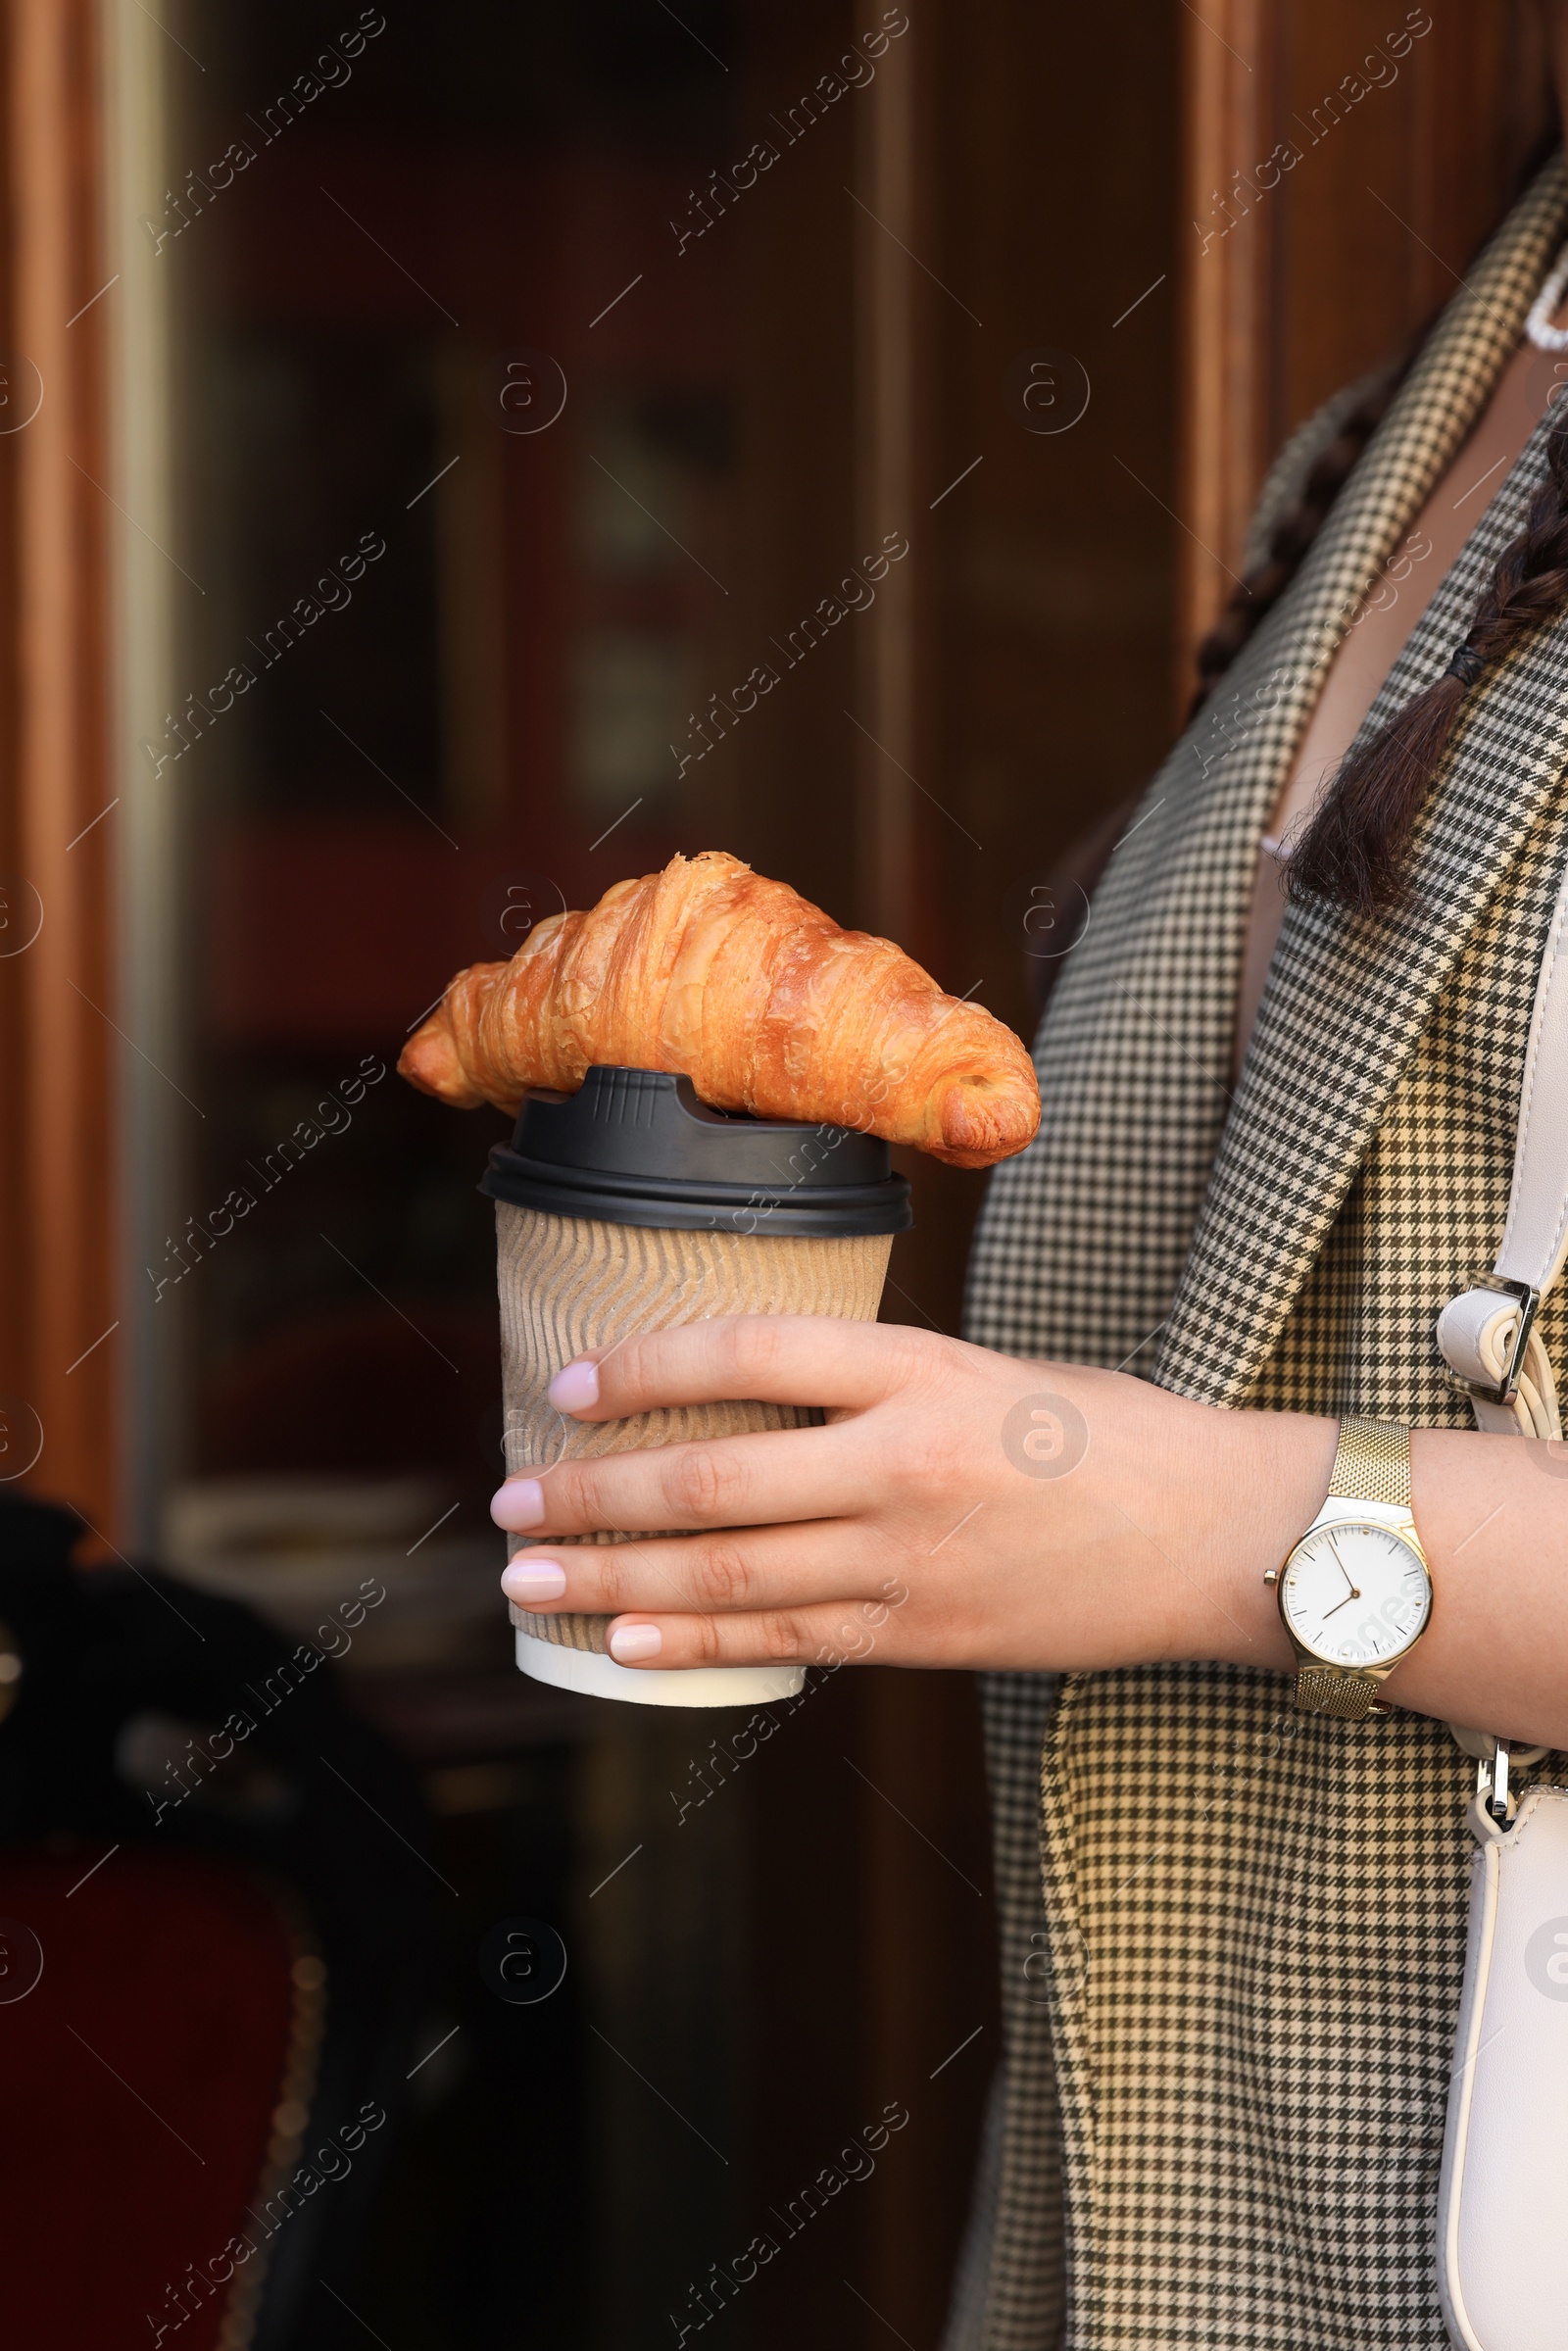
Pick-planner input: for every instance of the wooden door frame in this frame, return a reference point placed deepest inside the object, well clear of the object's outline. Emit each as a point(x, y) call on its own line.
point(1223, 290)
point(59, 1304)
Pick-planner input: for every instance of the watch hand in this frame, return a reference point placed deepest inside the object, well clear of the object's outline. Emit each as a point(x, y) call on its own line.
point(1352, 1595)
point(1344, 1570)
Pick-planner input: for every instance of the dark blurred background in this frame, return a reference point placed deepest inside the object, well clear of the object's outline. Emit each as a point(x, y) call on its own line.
point(459, 405)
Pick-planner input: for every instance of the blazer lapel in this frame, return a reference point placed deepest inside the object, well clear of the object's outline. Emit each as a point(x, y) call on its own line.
point(1084, 1238)
point(1348, 997)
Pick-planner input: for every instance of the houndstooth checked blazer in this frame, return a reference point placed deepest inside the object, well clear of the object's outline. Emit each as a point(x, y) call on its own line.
point(1233, 1938)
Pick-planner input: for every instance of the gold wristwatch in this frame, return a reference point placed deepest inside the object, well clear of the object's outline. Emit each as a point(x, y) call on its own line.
point(1356, 1593)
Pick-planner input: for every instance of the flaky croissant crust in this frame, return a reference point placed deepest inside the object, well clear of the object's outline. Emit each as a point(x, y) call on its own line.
point(756, 994)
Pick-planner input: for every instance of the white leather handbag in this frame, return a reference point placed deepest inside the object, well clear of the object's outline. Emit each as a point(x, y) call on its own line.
point(1502, 2210)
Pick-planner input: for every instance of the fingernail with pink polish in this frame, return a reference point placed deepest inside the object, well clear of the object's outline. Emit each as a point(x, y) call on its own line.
point(629, 1644)
point(529, 1580)
point(519, 1504)
point(576, 1388)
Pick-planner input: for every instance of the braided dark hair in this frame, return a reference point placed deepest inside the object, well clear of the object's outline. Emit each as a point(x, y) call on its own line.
point(1297, 527)
point(1355, 846)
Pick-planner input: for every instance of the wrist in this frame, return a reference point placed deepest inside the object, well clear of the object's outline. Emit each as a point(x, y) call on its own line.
point(1250, 1491)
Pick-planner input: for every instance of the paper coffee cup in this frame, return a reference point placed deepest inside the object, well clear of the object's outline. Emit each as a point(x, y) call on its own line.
point(632, 1208)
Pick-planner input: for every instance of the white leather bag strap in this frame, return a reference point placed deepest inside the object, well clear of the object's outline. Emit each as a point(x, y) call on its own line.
point(1487, 1334)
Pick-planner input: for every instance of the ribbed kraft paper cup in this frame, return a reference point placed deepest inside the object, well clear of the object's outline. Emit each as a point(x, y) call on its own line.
point(570, 1283)
point(632, 1206)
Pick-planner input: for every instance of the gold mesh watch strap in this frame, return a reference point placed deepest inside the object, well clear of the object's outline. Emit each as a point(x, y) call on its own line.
point(1371, 1464)
point(1332, 1689)
point(1372, 1461)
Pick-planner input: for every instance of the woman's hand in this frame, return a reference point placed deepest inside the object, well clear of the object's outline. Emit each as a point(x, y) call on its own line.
point(959, 1508)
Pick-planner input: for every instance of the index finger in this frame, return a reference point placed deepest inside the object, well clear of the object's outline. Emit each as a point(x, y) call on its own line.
point(761, 1358)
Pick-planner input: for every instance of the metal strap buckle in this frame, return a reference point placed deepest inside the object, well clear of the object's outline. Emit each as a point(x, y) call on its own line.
point(1491, 1785)
point(1529, 1304)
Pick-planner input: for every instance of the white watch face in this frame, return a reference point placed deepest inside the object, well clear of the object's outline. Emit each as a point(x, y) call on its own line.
point(1355, 1593)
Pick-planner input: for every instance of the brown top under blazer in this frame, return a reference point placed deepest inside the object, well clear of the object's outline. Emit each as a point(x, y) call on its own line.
point(1233, 1938)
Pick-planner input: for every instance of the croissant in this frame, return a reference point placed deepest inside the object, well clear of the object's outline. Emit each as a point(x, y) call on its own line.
point(756, 994)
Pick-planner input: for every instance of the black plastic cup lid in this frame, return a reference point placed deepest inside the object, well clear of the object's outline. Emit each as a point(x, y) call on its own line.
point(637, 1146)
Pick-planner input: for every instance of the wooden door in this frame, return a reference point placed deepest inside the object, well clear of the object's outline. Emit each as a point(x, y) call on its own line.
point(1342, 162)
